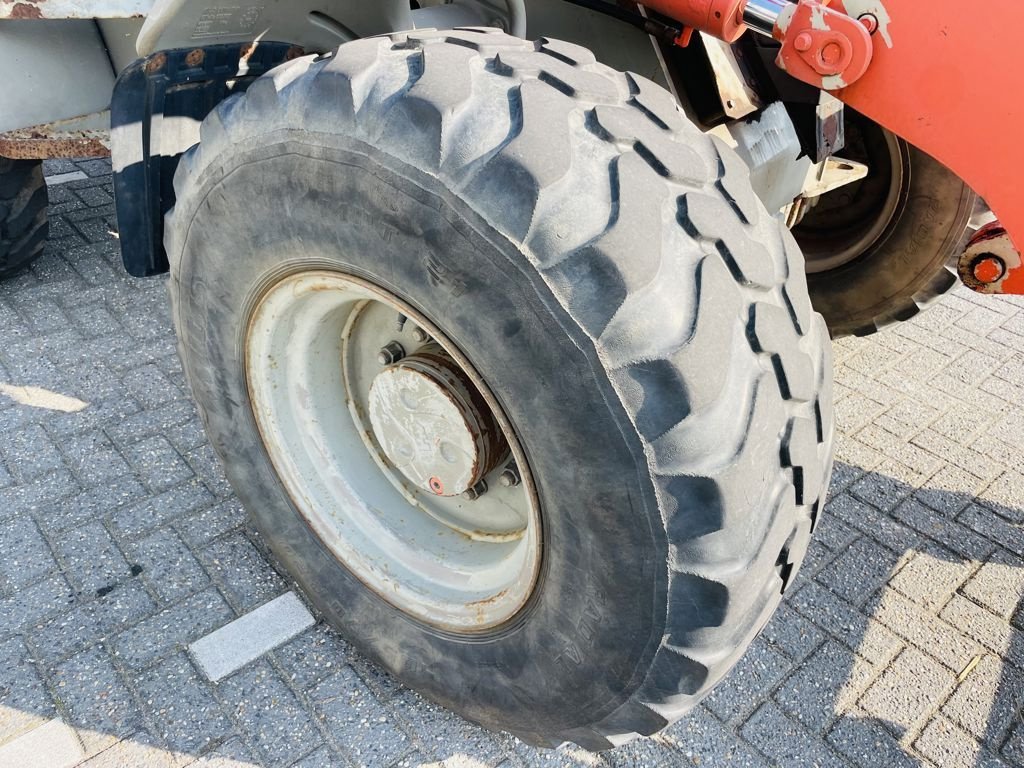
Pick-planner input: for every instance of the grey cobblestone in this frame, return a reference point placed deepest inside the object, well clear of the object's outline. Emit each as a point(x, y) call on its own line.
point(357, 721)
point(244, 574)
point(172, 628)
point(92, 621)
point(270, 714)
point(91, 559)
point(907, 693)
point(29, 555)
point(189, 717)
point(168, 566)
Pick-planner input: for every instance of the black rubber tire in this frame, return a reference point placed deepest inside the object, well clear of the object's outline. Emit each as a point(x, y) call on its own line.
point(23, 221)
point(908, 268)
point(610, 272)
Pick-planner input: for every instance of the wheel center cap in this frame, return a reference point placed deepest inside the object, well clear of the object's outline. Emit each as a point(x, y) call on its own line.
point(433, 426)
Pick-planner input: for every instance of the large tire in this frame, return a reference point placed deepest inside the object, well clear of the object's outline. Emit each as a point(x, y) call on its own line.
point(902, 266)
point(610, 273)
point(23, 221)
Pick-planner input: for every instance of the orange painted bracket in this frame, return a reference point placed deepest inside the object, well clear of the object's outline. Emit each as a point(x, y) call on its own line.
point(946, 77)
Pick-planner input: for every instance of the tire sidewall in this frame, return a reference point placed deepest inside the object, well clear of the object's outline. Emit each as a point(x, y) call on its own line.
point(278, 205)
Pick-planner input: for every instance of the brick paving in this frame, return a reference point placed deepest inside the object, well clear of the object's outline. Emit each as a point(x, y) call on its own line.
point(121, 544)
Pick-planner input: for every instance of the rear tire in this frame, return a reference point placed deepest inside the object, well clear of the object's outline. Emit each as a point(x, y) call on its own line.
point(896, 234)
point(23, 221)
point(609, 273)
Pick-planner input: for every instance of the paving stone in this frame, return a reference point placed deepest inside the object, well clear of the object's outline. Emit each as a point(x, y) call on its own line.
point(750, 681)
point(312, 656)
point(51, 745)
point(949, 533)
point(357, 721)
point(444, 735)
point(189, 717)
point(998, 585)
point(99, 704)
point(24, 701)
point(269, 714)
point(866, 519)
point(202, 527)
point(825, 685)
point(948, 746)
point(248, 637)
point(908, 691)
point(867, 743)
point(1013, 749)
point(791, 634)
point(91, 559)
point(931, 577)
point(92, 621)
point(785, 741)
point(140, 750)
point(37, 495)
point(34, 603)
point(89, 505)
point(987, 700)
point(988, 523)
point(1005, 496)
point(94, 459)
point(172, 628)
point(703, 740)
point(231, 754)
point(858, 573)
point(207, 465)
point(318, 758)
point(27, 556)
point(987, 629)
point(138, 519)
point(30, 453)
point(150, 386)
point(858, 632)
point(244, 574)
point(924, 630)
point(168, 566)
point(158, 464)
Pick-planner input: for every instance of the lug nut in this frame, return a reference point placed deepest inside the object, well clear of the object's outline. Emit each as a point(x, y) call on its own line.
point(420, 336)
point(510, 477)
point(390, 353)
point(476, 491)
point(400, 322)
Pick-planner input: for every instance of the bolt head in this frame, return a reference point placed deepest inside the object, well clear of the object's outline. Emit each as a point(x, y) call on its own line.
point(390, 353)
point(509, 478)
point(476, 491)
point(420, 336)
point(870, 22)
point(804, 42)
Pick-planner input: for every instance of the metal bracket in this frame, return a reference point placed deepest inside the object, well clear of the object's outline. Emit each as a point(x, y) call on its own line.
point(991, 263)
point(158, 105)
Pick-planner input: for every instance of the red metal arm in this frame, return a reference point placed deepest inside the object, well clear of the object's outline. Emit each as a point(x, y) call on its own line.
point(944, 75)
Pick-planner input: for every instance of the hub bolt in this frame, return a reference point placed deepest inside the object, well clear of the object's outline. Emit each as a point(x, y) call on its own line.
point(476, 491)
point(390, 353)
point(510, 477)
point(420, 336)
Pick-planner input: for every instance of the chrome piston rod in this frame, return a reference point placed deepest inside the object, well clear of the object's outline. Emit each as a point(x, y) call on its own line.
point(761, 15)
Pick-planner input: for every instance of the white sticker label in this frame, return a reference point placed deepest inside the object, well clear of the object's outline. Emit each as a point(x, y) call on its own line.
point(217, 22)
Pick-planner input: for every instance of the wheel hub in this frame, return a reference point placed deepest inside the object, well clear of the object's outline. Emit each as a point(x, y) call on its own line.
point(356, 430)
point(431, 425)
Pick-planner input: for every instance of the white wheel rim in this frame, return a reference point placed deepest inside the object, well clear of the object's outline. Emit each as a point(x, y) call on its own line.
point(311, 359)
